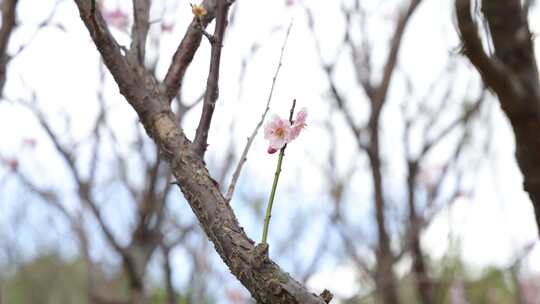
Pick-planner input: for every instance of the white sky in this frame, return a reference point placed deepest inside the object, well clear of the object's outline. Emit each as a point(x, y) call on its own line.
point(61, 66)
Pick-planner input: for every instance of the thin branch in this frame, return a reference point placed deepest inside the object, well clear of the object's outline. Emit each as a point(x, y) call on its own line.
point(391, 61)
point(83, 186)
point(463, 119)
point(186, 50)
point(274, 185)
point(46, 22)
point(100, 120)
point(167, 269)
point(212, 85)
point(111, 51)
point(328, 69)
point(139, 31)
point(361, 54)
point(243, 157)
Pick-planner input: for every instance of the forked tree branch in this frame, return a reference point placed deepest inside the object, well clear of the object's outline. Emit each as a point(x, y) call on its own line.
point(264, 279)
point(212, 83)
point(186, 50)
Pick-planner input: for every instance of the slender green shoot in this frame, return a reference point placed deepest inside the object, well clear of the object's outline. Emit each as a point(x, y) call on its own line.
point(274, 185)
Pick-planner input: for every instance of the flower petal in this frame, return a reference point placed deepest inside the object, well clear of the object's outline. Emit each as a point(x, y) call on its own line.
point(301, 116)
point(277, 142)
point(271, 150)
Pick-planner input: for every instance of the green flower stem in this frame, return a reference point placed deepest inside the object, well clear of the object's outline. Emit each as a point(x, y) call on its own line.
point(274, 185)
point(272, 195)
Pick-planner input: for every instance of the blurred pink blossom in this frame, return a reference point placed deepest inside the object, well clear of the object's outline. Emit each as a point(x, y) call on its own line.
point(167, 27)
point(116, 18)
point(11, 163)
point(429, 175)
point(530, 288)
point(29, 142)
point(279, 132)
point(235, 296)
point(457, 293)
point(299, 123)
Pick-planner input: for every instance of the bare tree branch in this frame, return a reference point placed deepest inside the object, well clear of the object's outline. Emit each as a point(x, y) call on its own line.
point(512, 74)
point(212, 85)
point(186, 50)
point(139, 31)
point(250, 264)
point(391, 61)
point(463, 119)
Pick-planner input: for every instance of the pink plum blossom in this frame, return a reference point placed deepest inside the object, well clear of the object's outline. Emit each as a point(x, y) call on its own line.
point(299, 123)
point(279, 132)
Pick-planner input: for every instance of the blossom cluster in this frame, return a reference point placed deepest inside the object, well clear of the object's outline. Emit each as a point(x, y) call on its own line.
point(281, 131)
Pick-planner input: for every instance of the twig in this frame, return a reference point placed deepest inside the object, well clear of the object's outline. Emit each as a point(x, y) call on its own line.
point(212, 86)
point(464, 118)
point(274, 185)
point(139, 31)
point(243, 158)
point(186, 51)
point(208, 36)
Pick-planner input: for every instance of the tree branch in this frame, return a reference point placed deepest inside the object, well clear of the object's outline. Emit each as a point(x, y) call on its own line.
point(391, 62)
point(212, 85)
point(251, 265)
point(513, 75)
point(139, 31)
point(186, 50)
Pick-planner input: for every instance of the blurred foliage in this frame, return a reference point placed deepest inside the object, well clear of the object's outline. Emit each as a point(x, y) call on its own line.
point(159, 296)
point(46, 280)
point(455, 283)
point(49, 279)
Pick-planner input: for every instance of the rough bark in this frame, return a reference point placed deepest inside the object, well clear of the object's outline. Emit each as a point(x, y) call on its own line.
point(512, 74)
point(249, 263)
